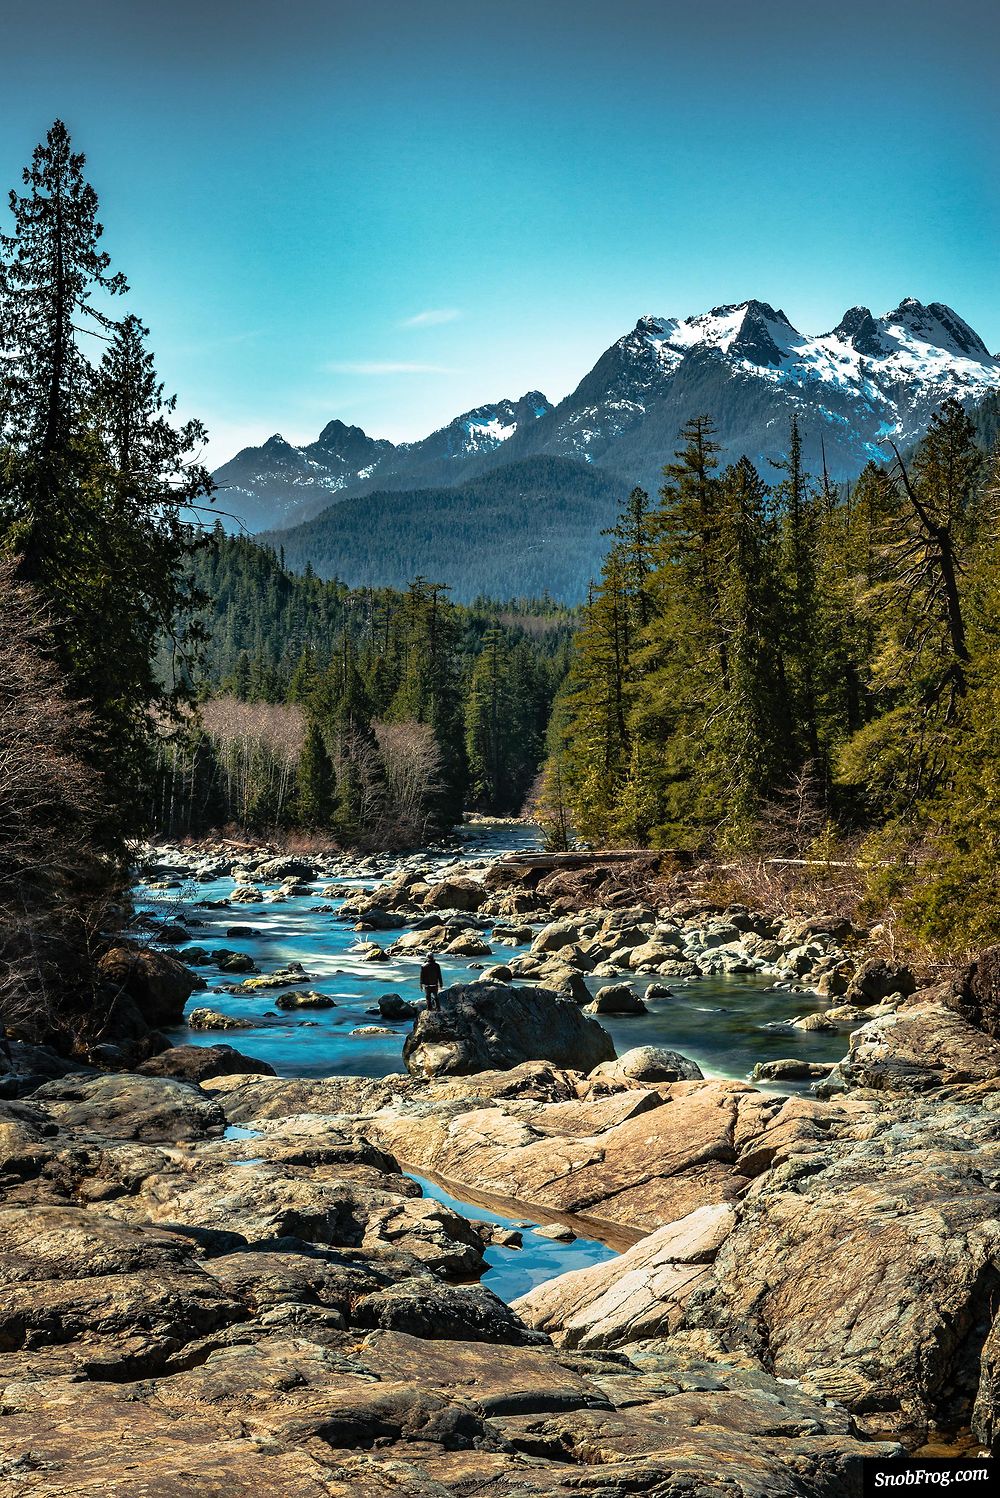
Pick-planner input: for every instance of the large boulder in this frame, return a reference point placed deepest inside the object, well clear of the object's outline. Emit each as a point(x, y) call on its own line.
point(24, 1067)
point(123, 1105)
point(617, 998)
point(641, 1294)
point(193, 1063)
point(648, 1065)
point(878, 979)
point(494, 1026)
point(157, 983)
point(213, 1019)
point(455, 894)
point(923, 1045)
point(975, 994)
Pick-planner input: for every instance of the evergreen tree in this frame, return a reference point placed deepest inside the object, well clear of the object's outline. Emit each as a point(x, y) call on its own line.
point(314, 781)
point(800, 517)
point(50, 267)
point(96, 474)
point(920, 662)
point(488, 720)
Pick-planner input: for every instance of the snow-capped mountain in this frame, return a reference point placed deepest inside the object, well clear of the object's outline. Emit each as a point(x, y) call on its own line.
point(868, 381)
point(278, 485)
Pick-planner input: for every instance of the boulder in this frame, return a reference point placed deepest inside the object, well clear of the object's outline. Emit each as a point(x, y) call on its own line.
point(920, 1046)
point(172, 934)
point(879, 977)
point(282, 977)
point(555, 936)
point(212, 1019)
point(302, 998)
point(648, 1064)
point(566, 982)
point(193, 1063)
point(499, 973)
point(25, 1067)
point(157, 983)
point(790, 1069)
point(650, 956)
point(812, 1022)
point(234, 962)
point(247, 894)
point(638, 1295)
point(123, 1105)
point(616, 998)
point(975, 994)
point(286, 868)
point(494, 1027)
point(469, 944)
point(394, 1006)
point(455, 894)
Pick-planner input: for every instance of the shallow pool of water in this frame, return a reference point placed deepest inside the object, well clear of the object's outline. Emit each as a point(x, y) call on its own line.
point(515, 1271)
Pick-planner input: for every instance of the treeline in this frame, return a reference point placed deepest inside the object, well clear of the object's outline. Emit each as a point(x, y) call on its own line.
point(374, 715)
point(770, 663)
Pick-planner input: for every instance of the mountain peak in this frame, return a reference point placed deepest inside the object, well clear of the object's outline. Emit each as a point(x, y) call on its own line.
point(759, 331)
point(937, 324)
point(336, 431)
point(858, 328)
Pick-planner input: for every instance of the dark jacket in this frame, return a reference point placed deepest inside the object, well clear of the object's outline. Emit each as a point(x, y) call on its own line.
point(430, 974)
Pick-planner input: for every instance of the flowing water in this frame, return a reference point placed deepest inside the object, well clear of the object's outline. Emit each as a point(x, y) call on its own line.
point(725, 1024)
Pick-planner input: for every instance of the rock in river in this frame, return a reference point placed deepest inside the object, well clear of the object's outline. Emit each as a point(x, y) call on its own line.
point(494, 1026)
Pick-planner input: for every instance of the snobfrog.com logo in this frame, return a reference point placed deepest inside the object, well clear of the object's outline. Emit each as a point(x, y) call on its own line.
point(958, 1480)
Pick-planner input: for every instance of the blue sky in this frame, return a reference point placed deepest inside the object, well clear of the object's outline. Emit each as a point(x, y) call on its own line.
point(391, 212)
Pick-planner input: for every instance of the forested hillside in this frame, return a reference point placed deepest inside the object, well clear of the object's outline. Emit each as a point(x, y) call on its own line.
point(523, 530)
point(375, 714)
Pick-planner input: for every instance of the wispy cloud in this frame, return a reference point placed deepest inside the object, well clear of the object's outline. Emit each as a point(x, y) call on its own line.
point(431, 318)
point(383, 367)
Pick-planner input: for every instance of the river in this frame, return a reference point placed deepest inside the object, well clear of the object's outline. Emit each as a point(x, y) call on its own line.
point(722, 1023)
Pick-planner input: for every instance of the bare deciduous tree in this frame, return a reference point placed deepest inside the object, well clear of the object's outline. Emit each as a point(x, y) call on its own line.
point(53, 884)
point(412, 763)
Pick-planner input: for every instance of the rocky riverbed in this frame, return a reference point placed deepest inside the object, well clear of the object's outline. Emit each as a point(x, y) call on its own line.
point(219, 1281)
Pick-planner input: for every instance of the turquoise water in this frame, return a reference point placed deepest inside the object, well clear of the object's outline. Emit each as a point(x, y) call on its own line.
point(722, 1023)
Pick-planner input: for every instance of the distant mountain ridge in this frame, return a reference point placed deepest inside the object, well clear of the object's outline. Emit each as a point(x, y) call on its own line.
point(281, 485)
point(868, 380)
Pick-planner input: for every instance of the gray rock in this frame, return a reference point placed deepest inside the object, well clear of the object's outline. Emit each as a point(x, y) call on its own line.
point(122, 1105)
point(648, 1063)
point(616, 998)
point(494, 1027)
point(195, 1063)
point(212, 1019)
point(877, 978)
point(394, 1006)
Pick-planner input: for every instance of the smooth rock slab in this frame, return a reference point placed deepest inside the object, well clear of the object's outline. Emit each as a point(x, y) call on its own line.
point(641, 1294)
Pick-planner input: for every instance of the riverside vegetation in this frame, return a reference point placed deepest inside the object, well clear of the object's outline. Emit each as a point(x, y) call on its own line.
point(215, 1275)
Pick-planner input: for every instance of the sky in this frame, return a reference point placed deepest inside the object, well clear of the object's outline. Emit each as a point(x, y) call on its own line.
point(392, 212)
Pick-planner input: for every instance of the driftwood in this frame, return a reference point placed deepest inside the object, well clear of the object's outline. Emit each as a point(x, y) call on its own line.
point(585, 859)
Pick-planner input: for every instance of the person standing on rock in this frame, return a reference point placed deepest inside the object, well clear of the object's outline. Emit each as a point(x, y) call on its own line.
point(431, 981)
